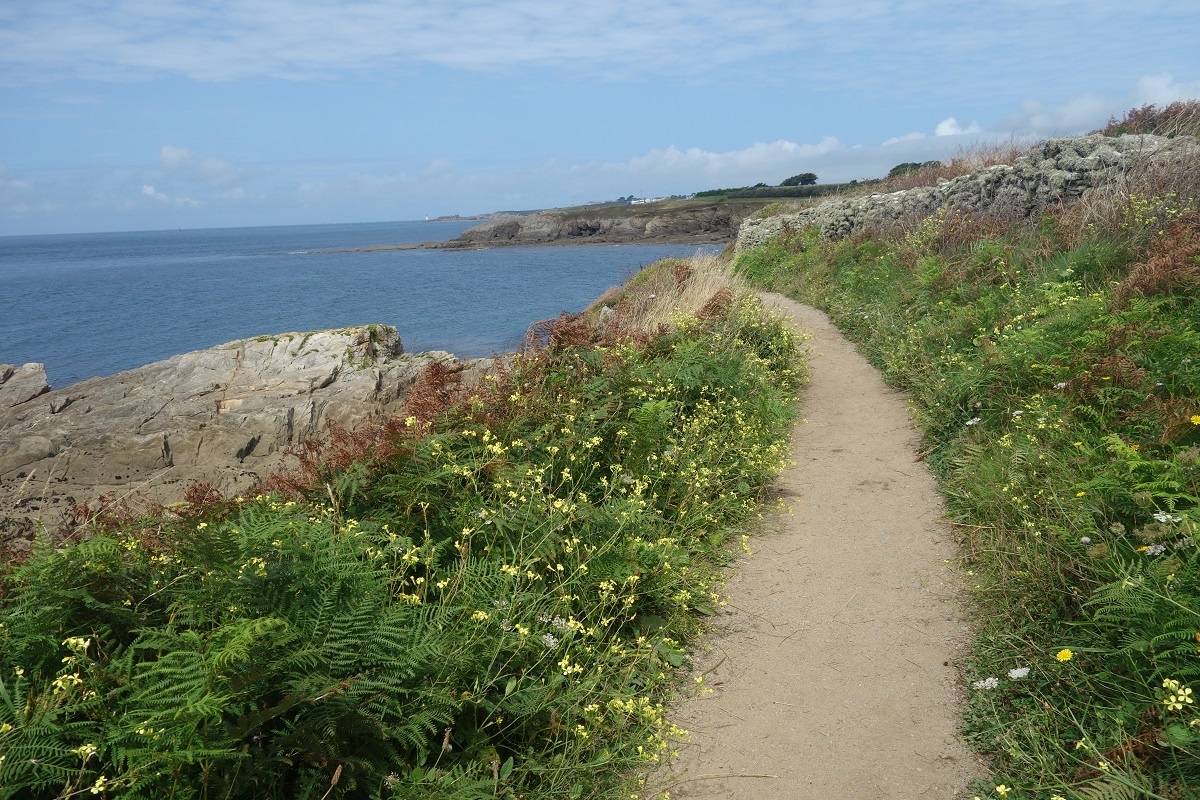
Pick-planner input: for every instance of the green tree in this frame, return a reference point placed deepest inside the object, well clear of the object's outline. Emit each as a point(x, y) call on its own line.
point(909, 167)
point(803, 179)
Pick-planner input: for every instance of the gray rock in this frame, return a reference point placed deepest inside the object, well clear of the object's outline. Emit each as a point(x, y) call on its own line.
point(21, 384)
point(223, 416)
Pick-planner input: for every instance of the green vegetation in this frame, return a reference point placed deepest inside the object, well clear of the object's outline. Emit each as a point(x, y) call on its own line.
point(803, 179)
point(1054, 366)
point(764, 191)
point(909, 167)
point(492, 597)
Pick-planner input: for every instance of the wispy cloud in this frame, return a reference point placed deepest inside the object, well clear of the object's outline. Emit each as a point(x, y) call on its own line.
point(162, 197)
point(180, 162)
point(758, 162)
point(304, 39)
point(1090, 111)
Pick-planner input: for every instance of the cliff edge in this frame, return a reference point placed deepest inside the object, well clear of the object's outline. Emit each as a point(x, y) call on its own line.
point(651, 223)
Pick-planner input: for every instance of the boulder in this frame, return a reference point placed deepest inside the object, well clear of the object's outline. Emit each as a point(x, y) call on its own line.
point(224, 416)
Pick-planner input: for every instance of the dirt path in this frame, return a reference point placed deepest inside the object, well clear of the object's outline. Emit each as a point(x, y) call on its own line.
point(832, 669)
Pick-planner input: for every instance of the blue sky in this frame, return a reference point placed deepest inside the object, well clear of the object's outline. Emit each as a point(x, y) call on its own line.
point(147, 114)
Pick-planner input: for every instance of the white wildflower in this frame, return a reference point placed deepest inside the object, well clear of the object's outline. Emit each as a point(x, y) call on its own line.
point(974, 420)
point(1085, 539)
point(550, 640)
point(1165, 518)
point(986, 683)
point(1018, 673)
point(1155, 549)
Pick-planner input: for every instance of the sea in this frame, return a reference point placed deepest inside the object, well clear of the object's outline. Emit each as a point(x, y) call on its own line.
point(94, 304)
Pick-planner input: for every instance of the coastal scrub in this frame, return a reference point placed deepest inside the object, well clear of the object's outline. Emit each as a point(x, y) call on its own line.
point(491, 596)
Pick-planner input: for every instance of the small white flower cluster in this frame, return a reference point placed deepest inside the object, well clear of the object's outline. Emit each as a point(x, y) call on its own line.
point(991, 683)
point(1167, 519)
point(554, 622)
point(974, 421)
point(1155, 549)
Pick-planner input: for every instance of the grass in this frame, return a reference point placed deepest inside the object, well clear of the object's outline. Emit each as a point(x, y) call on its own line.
point(1054, 367)
point(491, 596)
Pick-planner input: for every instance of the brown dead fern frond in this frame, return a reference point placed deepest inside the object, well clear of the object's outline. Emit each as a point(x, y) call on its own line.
point(565, 330)
point(716, 307)
point(435, 389)
point(1173, 264)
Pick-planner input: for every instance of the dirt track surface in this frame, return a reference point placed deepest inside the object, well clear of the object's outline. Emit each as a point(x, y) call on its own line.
point(833, 667)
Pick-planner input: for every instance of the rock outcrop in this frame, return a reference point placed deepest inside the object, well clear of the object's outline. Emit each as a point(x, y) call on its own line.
point(1055, 171)
point(223, 416)
point(703, 224)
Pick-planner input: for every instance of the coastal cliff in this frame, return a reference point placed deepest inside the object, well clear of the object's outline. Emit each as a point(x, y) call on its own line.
point(223, 416)
point(661, 222)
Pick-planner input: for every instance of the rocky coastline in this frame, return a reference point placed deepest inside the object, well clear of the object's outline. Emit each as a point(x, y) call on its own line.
point(224, 416)
point(664, 222)
point(227, 415)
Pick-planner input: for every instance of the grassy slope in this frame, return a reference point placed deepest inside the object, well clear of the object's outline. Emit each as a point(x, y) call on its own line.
point(1054, 366)
point(490, 598)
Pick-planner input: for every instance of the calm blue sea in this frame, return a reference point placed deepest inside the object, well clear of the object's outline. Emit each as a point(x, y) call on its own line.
point(96, 304)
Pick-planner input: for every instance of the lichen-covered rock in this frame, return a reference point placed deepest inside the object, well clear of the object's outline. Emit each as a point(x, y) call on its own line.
point(1053, 172)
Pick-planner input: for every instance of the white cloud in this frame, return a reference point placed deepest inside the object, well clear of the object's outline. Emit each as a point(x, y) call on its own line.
point(882, 42)
point(183, 163)
point(186, 202)
point(1091, 111)
point(766, 162)
point(908, 137)
point(950, 127)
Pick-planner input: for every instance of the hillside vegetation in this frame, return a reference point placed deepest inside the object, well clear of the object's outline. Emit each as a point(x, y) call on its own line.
point(1054, 366)
point(490, 596)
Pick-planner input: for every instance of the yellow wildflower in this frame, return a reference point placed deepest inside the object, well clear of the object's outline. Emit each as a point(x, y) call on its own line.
point(1064, 655)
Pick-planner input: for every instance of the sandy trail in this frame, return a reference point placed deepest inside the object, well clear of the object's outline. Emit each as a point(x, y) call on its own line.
point(832, 668)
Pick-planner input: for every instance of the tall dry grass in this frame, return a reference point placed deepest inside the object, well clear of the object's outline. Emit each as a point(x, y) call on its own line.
point(1181, 118)
point(967, 160)
point(700, 286)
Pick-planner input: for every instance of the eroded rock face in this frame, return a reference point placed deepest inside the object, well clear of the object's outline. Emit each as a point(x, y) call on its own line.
point(1058, 170)
point(707, 224)
point(223, 416)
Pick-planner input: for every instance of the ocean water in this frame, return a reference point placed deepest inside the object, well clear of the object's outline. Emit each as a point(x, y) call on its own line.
point(96, 304)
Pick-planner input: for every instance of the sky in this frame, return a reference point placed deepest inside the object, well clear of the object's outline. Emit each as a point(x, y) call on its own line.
point(154, 114)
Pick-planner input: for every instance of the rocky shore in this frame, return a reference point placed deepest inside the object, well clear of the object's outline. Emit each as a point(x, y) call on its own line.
point(663, 222)
point(223, 416)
